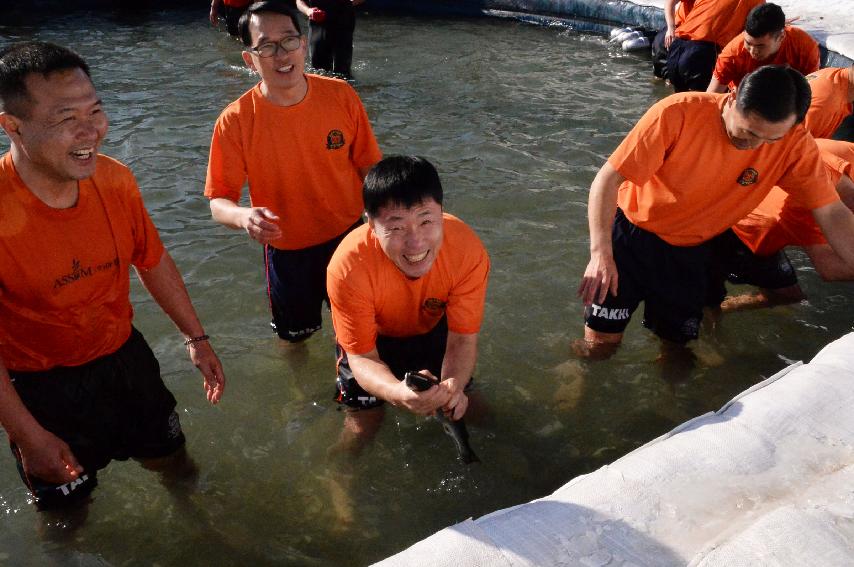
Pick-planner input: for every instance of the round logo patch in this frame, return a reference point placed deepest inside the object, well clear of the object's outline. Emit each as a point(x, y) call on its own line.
point(748, 177)
point(334, 140)
point(434, 305)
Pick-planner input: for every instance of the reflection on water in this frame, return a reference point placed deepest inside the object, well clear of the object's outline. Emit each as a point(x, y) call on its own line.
point(517, 119)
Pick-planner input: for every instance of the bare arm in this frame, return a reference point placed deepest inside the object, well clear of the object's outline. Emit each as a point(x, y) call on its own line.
point(670, 19)
point(716, 87)
point(260, 223)
point(837, 224)
point(304, 8)
point(214, 15)
point(166, 286)
point(43, 454)
point(376, 378)
point(457, 368)
point(601, 273)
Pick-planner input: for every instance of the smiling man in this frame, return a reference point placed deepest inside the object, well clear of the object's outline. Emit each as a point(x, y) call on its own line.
point(304, 144)
point(85, 387)
point(766, 40)
point(692, 167)
point(407, 294)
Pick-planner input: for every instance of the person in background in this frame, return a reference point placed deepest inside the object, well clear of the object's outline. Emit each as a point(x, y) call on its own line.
point(304, 144)
point(654, 215)
point(407, 293)
point(331, 24)
point(82, 387)
point(832, 98)
point(754, 252)
point(766, 40)
point(230, 11)
point(695, 43)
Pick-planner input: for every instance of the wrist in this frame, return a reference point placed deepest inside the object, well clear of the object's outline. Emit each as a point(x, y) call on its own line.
point(195, 339)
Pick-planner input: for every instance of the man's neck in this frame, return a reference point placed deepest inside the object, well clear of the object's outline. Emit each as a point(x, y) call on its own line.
point(52, 192)
point(286, 97)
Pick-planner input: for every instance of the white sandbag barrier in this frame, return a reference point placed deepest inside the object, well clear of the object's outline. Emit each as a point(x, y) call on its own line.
point(766, 480)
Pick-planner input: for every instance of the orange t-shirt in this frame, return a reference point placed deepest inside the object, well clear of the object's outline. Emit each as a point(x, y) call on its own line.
point(64, 282)
point(682, 11)
point(829, 106)
point(686, 182)
point(370, 296)
point(798, 50)
point(777, 222)
point(716, 21)
point(301, 161)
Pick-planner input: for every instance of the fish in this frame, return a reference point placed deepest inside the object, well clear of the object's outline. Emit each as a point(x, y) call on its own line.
point(456, 429)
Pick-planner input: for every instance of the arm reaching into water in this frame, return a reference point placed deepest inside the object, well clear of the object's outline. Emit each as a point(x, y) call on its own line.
point(601, 276)
point(457, 368)
point(166, 286)
point(43, 454)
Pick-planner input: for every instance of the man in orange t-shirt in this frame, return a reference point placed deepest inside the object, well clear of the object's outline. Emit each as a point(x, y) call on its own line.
point(407, 294)
point(82, 386)
point(693, 166)
point(304, 144)
point(698, 39)
point(766, 40)
point(832, 100)
point(754, 254)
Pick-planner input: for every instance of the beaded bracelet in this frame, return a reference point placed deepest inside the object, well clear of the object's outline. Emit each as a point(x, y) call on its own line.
point(198, 339)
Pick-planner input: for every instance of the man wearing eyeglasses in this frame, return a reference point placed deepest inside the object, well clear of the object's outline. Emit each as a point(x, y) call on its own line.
point(304, 144)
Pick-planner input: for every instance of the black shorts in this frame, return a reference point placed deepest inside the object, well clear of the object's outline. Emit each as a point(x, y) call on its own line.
point(690, 64)
point(401, 355)
point(113, 407)
point(296, 287)
point(659, 54)
point(734, 262)
point(670, 280)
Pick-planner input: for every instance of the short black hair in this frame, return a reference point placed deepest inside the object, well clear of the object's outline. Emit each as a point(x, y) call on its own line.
point(400, 180)
point(285, 7)
point(765, 19)
point(27, 57)
point(774, 92)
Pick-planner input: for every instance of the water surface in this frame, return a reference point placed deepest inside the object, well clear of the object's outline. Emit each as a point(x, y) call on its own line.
point(517, 119)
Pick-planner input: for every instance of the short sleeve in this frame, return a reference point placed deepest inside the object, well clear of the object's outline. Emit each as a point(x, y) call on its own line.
point(226, 173)
point(642, 151)
point(353, 316)
point(466, 300)
point(147, 246)
point(364, 151)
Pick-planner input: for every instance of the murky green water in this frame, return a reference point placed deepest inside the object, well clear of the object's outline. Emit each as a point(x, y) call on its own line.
point(518, 119)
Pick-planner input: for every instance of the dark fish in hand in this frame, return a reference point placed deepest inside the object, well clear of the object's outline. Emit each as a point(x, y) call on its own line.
point(457, 431)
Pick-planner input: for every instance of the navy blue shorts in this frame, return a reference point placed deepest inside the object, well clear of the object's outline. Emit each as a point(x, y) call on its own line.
point(734, 262)
point(296, 287)
point(690, 64)
point(401, 355)
point(113, 407)
point(670, 280)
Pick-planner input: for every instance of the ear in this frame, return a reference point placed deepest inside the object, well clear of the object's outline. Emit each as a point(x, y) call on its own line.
point(247, 59)
point(11, 125)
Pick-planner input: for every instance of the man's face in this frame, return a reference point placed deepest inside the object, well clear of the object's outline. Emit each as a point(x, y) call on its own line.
point(748, 130)
point(65, 124)
point(284, 70)
point(410, 237)
point(763, 47)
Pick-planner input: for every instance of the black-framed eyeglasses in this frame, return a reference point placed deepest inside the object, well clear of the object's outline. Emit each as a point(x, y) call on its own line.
point(271, 48)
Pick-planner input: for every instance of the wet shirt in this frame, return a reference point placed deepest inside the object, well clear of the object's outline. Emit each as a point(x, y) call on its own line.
point(64, 281)
point(686, 182)
point(370, 296)
point(829, 105)
point(798, 50)
point(716, 21)
point(778, 222)
point(301, 161)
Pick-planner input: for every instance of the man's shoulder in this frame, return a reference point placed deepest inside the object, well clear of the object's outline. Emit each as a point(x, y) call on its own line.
point(110, 168)
point(460, 236)
point(243, 104)
point(800, 36)
point(326, 89)
point(355, 249)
